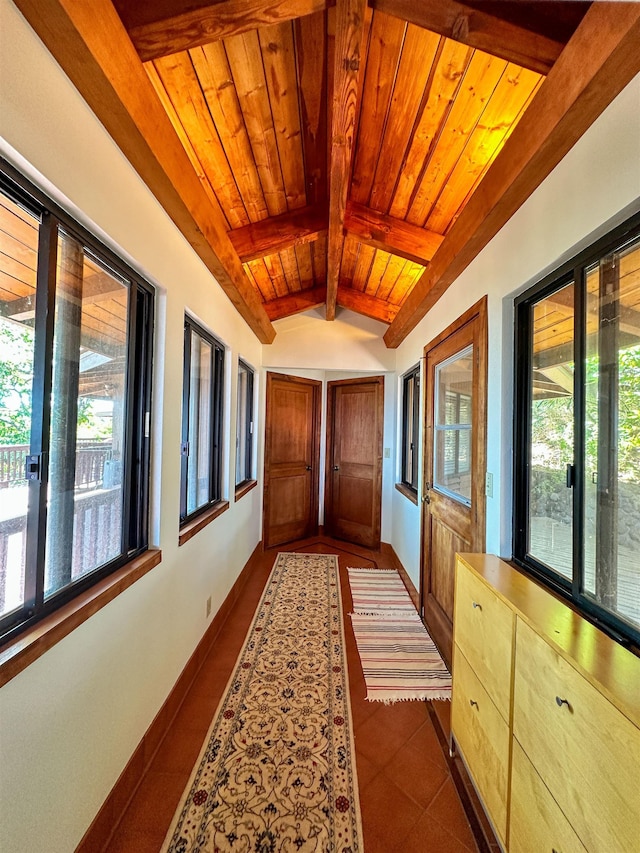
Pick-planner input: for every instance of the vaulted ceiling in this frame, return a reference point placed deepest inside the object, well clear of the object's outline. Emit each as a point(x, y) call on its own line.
point(356, 155)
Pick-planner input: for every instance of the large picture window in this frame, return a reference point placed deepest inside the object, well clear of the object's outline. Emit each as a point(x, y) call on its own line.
point(577, 436)
point(244, 425)
point(75, 383)
point(202, 406)
point(410, 428)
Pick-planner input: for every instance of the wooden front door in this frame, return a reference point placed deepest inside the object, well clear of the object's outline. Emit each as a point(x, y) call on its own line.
point(291, 459)
point(453, 514)
point(353, 483)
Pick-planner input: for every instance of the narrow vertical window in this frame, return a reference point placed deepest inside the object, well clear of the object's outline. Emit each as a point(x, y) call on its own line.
point(410, 428)
point(202, 404)
point(75, 385)
point(244, 425)
point(577, 430)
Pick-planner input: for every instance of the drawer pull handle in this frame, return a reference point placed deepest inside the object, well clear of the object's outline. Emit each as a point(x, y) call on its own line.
point(476, 606)
point(560, 702)
point(473, 703)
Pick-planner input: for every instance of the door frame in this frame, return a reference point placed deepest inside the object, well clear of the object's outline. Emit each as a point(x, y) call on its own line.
point(478, 312)
point(328, 480)
point(316, 386)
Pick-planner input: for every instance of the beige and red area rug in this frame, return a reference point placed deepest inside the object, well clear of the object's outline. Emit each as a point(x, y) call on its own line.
point(399, 659)
point(277, 771)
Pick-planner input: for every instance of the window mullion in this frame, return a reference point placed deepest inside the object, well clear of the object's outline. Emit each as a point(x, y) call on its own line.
point(579, 380)
point(186, 383)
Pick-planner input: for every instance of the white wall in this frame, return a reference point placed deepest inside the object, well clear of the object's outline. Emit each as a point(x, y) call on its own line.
point(595, 187)
point(71, 720)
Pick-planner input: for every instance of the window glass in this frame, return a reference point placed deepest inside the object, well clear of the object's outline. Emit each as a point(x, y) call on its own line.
point(410, 427)
point(244, 424)
point(552, 413)
point(18, 264)
point(452, 422)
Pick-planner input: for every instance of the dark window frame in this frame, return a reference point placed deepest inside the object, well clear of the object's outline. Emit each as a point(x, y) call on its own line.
point(574, 271)
point(216, 410)
point(139, 370)
point(411, 377)
point(249, 427)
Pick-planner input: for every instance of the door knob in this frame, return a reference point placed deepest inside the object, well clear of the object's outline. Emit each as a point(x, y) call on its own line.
point(308, 467)
point(336, 467)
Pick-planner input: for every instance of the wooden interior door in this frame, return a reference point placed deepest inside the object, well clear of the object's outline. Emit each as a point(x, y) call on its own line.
point(453, 498)
point(353, 483)
point(291, 459)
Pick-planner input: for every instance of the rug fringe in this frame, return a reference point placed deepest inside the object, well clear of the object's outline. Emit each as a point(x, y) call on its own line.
point(444, 696)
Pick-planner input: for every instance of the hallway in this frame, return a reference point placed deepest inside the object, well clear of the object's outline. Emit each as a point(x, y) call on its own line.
point(408, 799)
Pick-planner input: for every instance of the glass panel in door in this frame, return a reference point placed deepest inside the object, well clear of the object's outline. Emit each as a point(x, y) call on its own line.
point(551, 424)
point(18, 261)
point(200, 426)
point(453, 426)
point(87, 433)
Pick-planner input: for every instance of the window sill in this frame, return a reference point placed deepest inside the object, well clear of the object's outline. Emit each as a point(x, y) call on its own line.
point(408, 493)
point(245, 487)
point(192, 527)
point(17, 654)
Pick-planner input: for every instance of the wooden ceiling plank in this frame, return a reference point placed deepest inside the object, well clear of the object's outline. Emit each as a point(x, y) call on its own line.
point(305, 266)
point(479, 30)
point(391, 275)
point(481, 78)
point(214, 76)
point(405, 283)
point(378, 269)
point(279, 232)
point(257, 272)
point(392, 235)
point(91, 44)
point(366, 255)
point(597, 63)
point(383, 55)
point(349, 260)
point(290, 268)
point(273, 265)
point(450, 65)
point(319, 259)
point(418, 53)
point(362, 303)
point(349, 49)
point(245, 61)
point(295, 303)
point(278, 58)
point(159, 29)
point(310, 35)
point(498, 119)
point(188, 102)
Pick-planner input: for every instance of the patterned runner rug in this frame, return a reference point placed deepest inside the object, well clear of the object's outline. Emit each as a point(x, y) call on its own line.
point(374, 590)
point(277, 771)
point(399, 659)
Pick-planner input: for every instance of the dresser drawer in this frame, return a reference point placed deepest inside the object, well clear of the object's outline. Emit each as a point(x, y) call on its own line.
point(483, 739)
point(535, 820)
point(483, 626)
point(586, 752)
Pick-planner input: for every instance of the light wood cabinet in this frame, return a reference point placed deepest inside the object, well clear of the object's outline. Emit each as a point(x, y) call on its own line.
point(568, 699)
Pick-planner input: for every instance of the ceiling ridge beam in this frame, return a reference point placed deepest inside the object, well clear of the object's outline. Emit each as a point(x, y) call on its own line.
point(478, 29)
point(295, 303)
point(395, 236)
point(350, 26)
point(364, 303)
point(277, 233)
point(90, 43)
point(597, 63)
point(161, 29)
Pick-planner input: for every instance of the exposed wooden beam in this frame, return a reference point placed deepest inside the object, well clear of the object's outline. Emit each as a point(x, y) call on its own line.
point(90, 43)
point(599, 60)
point(160, 28)
point(295, 303)
point(478, 29)
point(363, 303)
point(349, 45)
point(278, 233)
point(392, 235)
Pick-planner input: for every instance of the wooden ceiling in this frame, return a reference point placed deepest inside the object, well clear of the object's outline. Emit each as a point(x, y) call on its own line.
point(351, 154)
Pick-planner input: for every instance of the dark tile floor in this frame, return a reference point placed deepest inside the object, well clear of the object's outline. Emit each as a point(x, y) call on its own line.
point(407, 796)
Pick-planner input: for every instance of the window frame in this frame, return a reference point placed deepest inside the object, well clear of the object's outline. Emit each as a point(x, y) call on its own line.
point(249, 425)
point(574, 271)
point(412, 376)
point(216, 410)
point(137, 411)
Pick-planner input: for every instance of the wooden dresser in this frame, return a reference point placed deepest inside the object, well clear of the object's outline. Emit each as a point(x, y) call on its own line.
point(545, 715)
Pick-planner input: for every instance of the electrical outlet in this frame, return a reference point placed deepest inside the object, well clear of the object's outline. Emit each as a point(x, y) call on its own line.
point(209, 606)
point(488, 484)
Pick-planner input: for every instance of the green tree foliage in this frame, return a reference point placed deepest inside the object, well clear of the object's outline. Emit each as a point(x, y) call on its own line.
point(16, 371)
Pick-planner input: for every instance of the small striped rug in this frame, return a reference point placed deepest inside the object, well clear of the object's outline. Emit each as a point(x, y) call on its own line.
point(375, 590)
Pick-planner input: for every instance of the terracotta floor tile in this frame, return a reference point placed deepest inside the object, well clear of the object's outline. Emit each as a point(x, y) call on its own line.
point(388, 815)
point(366, 770)
point(429, 836)
point(447, 810)
point(425, 741)
point(415, 774)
